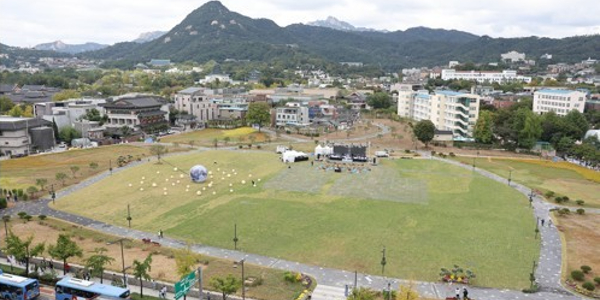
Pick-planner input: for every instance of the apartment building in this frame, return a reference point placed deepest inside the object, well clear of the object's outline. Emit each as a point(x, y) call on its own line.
point(503, 77)
point(197, 102)
point(559, 101)
point(292, 114)
point(448, 110)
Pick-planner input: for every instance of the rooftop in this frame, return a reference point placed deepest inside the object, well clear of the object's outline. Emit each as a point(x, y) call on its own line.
point(448, 93)
point(558, 92)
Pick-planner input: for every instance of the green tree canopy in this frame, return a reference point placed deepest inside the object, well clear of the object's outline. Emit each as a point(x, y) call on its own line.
point(140, 271)
point(484, 132)
point(158, 150)
point(5, 104)
point(23, 249)
point(424, 131)
point(97, 262)
point(64, 249)
point(227, 286)
point(379, 100)
point(66, 94)
point(258, 113)
point(531, 131)
point(68, 133)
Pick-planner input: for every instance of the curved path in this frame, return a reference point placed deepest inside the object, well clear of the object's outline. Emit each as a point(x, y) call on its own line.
point(547, 272)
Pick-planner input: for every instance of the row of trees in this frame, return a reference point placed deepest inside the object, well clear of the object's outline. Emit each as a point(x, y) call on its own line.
point(519, 127)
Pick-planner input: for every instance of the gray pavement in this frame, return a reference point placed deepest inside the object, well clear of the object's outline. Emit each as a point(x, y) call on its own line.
point(334, 280)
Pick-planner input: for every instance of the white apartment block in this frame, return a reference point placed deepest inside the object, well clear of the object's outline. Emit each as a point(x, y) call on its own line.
point(559, 101)
point(197, 102)
point(448, 110)
point(505, 76)
point(292, 114)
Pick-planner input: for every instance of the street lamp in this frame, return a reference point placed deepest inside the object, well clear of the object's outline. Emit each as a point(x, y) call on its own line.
point(383, 260)
point(122, 257)
point(509, 176)
point(235, 264)
point(5, 218)
point(53, 194)
point(235, 238)
point(110, 166)
point(128, 216)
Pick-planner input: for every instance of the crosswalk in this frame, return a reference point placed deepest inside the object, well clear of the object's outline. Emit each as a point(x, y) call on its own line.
point(326, 292)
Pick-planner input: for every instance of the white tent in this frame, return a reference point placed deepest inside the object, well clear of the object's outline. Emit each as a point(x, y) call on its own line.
point(318, 150)
point(327, 150)
point(291, 155)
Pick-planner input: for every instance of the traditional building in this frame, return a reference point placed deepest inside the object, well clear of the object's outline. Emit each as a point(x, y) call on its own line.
point(138, 113)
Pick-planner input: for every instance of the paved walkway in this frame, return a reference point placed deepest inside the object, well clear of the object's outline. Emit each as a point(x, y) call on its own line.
point(335, 280)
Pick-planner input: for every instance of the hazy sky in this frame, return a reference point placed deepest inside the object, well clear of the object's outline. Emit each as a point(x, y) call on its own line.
point(26, 23)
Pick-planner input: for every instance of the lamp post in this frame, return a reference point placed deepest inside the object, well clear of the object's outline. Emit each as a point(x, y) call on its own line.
point(110, 166)
point(128, 216)
point(509, 176)
point(53, 194)
point(235, 238)
point(5, 218)
point(241, 262)
point(383, 260)
point(120, 241)
point(531, 199)
point(532, 275)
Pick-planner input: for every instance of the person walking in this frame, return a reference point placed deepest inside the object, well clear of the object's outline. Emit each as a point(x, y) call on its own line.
point(543, 222)
point(465, 293)
point(457, 292)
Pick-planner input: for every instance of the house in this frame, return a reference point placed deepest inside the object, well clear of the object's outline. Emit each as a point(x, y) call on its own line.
point(291, 114)
point(513, 56)
point(196, 102)
point(139, 112)
point(160, 62)
point(357, 101)
point(7, 89)
point(23, 136)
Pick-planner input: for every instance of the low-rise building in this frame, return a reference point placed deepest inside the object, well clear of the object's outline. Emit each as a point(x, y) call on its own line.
point(23, 136)
point(292, 114)
point(505, 76)
point(559, 101)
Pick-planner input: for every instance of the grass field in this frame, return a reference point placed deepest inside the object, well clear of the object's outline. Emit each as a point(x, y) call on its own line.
point(163, 264)
point(459, 222)
point(206, 137)
point(563, 178)
point(23, 172)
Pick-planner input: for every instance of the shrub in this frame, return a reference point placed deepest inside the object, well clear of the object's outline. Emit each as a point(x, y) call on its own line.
point(597, 280)
point(585, 269)
point(20, 193)
point(452, 154)
point(290, 276)
point(577, 275)
point(241, 146)
point(532, 290)
point(549, 194)
point(579, 202)
point(580, 211)
point(588, 285)
point(22, 214)
point(565, 199)
point(406, 151)
point(558, 199)
point(432, 153)
point(27, 218)
point(564, 211)
point(3, 203)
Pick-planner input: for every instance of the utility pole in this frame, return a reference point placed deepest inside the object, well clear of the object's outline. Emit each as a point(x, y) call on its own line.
point(128, 216)
point(383, 261)
point(53, 194)
point(110, 166)
point(509, 176)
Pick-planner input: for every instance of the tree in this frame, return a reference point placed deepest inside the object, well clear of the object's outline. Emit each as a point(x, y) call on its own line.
point(74, 170)
point(215, 142)
point(5, 104)
point(60, 176)
point(16, 111)
point(531, 132)
point(93, 165)
point(126, 130)
point(258, 113)
point(424, 130)
point(68, 133)
point(31, 191)
point(483, 132)
point(41, 182)
point(22, 250)
point(55, 130)
point(66, 94)
point(577, 124)
point(227, 286)
point(97, 262)
point(407, 292)
point(185, 260)
point(64, 249)
point(140, 271)
point(226, 140)
point(158, 150)
point(379, 100)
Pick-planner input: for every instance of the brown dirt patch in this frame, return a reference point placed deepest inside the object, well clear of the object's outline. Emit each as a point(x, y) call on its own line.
point(583, 237)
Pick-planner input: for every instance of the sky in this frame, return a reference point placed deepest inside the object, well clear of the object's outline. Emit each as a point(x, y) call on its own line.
point(26, 23)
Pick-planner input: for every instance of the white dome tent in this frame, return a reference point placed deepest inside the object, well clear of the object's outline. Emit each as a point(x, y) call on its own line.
point(293, 156)
point(323, 150)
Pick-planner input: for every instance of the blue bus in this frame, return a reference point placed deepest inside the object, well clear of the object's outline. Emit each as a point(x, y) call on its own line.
point(77, 289)
point(13, 287)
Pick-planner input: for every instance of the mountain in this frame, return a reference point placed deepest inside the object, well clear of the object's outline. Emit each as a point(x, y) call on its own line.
point(212, 32)
point(148, 36)
point(336, 24)
point(59, 46)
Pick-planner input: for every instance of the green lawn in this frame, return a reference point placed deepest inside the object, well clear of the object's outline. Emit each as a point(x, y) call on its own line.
point(458, 218)
point(562, 178)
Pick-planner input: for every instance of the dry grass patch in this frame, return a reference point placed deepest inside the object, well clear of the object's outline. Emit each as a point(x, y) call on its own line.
point(583, 237)
point(163, 263)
